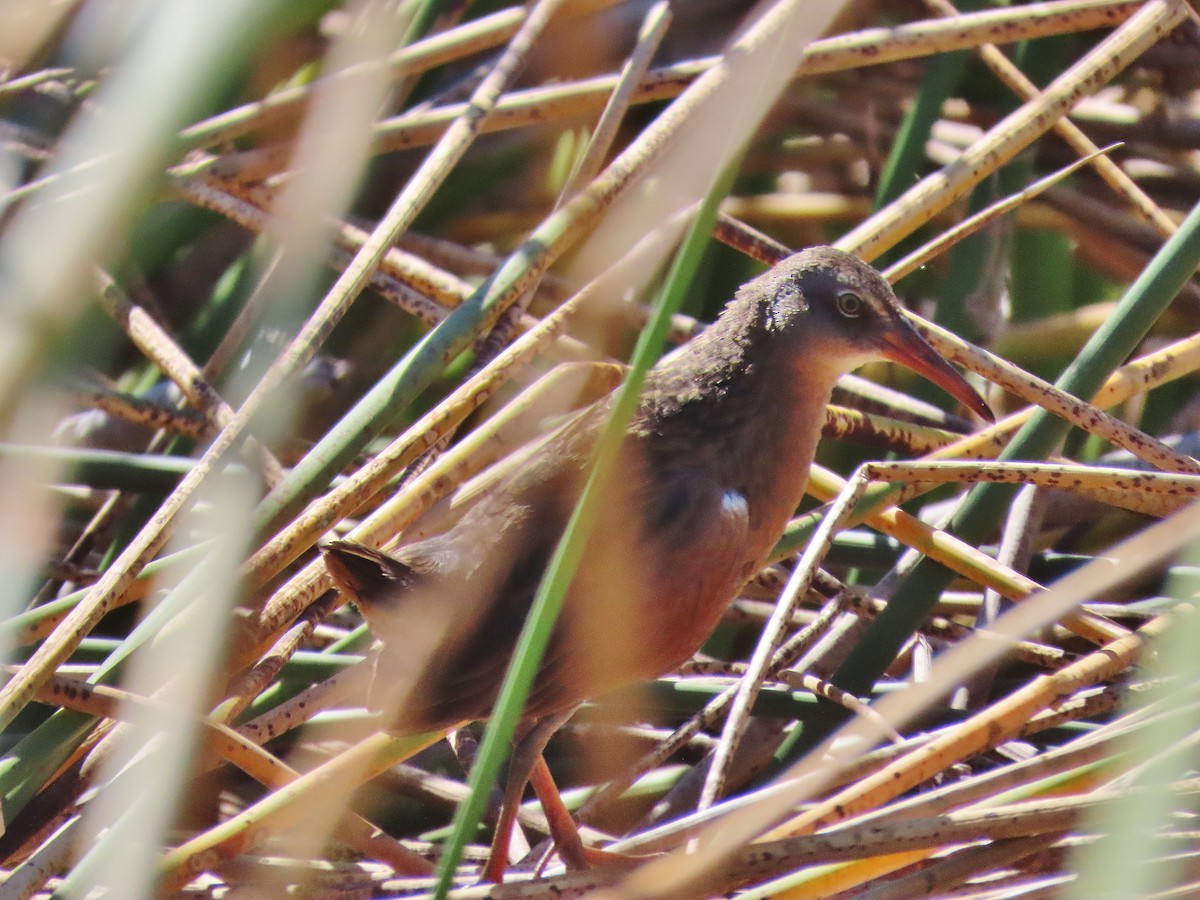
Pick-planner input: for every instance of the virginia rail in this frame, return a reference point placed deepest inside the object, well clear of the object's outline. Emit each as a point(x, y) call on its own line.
point(715, 461)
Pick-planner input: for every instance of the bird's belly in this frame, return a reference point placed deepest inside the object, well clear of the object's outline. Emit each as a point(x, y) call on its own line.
point(637, 611)
point(686, 612)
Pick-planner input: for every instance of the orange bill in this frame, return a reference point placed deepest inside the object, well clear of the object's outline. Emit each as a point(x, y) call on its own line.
point(909, 349)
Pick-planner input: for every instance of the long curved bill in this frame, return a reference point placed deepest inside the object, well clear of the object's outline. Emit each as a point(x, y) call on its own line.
point(906, 347)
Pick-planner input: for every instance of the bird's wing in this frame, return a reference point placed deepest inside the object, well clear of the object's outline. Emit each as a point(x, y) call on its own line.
point(692, 533)
point(664, 560)
point(568, 445)
point(489, 567)
point(449, 608)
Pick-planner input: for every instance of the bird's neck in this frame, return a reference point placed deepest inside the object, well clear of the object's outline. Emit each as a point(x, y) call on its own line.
point(747, 407)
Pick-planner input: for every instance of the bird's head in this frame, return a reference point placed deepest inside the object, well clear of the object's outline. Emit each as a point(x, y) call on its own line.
point(848, 315)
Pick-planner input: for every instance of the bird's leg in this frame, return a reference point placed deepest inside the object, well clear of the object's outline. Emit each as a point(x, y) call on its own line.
point(526, 758)
point(562, 824)
point(575, 854)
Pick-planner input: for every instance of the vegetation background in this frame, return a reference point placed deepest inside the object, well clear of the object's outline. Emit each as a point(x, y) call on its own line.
point(273, 272)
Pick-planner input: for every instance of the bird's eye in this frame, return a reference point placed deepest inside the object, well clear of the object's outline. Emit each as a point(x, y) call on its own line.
point(850, 305)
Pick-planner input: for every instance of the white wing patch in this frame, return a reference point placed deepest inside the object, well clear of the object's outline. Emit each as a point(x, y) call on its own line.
point(734, 505)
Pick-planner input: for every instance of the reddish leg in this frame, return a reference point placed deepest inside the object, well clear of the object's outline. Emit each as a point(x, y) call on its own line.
point(562, 824)
point(527, 755)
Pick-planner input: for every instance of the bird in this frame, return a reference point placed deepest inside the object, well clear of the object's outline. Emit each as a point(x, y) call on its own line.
point(713, 464)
